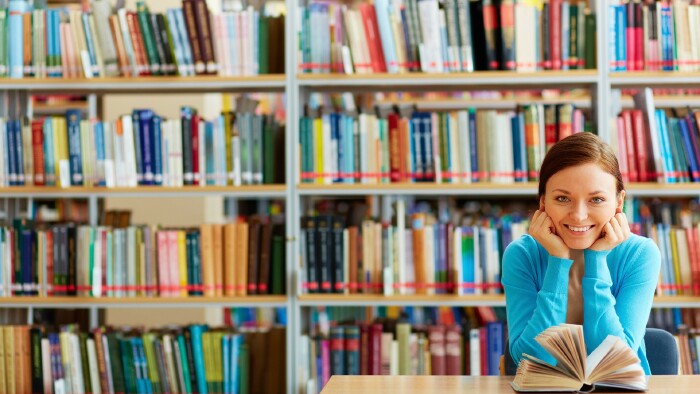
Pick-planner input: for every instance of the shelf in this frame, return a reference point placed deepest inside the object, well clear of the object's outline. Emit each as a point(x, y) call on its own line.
point(528, 189)
point(154, 84)
point(420, 189)
point(312, 300)
point(251, 191)
point(654, 79)
point(451, 81)
point(400, 300)
point(142, 302)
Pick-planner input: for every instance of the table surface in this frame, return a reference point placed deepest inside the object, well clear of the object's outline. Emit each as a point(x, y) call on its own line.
point(473, 384)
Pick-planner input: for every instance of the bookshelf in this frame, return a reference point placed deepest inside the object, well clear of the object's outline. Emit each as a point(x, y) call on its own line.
point(297, 88)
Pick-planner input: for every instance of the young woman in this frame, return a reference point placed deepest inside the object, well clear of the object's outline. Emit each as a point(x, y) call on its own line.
point(579, 264)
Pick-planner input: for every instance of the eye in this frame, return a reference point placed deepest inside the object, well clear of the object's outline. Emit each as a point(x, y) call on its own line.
point(598, 200)
point(562, 199)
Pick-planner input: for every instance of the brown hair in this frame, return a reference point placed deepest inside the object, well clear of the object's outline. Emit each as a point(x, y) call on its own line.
point(578, 149)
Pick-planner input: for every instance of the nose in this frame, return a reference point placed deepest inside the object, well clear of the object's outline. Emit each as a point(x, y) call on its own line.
point(579, 212)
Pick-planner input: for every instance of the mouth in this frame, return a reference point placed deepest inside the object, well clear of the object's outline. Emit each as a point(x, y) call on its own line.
point(578, 230)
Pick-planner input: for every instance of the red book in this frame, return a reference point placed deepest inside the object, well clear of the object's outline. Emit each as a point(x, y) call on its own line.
point(691, 235)
point(622, 149)
point(641, 145)
point(483, 350)
point(453, 355)
point(394, 148)
point(364, 349)
point(629, 142)
point(38, 151)
point(137, 41)
point(631, 36)
point(555, 33)
point(436, 335)
point(638, 35)
point(369, 22)
point(195, 149)
point(375, 349)
point(49, 263)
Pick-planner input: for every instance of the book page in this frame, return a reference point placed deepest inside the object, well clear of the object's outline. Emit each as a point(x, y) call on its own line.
point(613, 362)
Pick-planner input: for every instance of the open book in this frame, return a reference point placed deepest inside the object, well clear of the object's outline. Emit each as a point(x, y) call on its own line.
point(612, 364)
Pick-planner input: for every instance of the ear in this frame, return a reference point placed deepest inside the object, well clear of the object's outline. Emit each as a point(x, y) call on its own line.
point(620, 202)
point(542, 203)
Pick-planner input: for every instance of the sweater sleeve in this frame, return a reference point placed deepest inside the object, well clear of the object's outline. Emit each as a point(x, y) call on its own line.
point(626, 314)
point(531, 311)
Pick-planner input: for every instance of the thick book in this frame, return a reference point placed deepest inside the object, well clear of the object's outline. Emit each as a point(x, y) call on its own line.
point(612, 364)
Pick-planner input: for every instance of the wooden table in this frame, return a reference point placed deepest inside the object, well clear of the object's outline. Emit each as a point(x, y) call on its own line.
point(474, 384)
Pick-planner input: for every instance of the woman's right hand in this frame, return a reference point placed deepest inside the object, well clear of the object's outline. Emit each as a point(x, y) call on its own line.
point(543, 231)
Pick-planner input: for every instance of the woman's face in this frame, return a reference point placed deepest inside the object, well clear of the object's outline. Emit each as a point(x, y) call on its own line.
point(580, 200)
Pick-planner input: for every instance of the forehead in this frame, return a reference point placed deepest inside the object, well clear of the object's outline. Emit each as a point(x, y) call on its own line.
point(583, 178)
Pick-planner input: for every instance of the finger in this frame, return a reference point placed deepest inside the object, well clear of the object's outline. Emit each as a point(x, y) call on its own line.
point(609, 232)
point(549, 224)
point(624, 224)
point(617, 228)
point(537, 220)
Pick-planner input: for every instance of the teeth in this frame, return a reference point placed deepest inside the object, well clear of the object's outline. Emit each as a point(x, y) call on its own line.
point(579, 229)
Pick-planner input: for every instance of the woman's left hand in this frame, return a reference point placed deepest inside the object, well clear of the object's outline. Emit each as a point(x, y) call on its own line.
point(614, 233)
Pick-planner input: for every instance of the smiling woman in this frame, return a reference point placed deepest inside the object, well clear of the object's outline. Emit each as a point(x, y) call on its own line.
point(579, 264)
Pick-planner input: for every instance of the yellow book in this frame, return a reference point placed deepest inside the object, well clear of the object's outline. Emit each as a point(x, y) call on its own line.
point(241, 259)
point(207, 252)
point(182, 260)
point(676, 263)
point(141, 282)
point(218, 260)
point(686, 283)
point(3, 384)
point(9, 338)
point(230, 259)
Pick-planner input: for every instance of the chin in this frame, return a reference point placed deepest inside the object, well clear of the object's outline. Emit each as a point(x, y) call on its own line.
point(579, 244)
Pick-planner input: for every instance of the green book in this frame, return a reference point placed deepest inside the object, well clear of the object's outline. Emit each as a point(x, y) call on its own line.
point(268, 158)
point(152, 363)
point(590, 41)
point(127, 359)
point(243, 367)
point(85, 364)
point(185, 364)
point(3, 41)
point(263, 56)
point(148, 39)
point(277, 286)
point(115, 360)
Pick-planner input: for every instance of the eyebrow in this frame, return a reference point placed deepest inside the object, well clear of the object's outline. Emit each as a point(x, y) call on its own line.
point(566, 192)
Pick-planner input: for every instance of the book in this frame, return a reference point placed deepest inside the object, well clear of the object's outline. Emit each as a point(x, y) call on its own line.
point(612, 364)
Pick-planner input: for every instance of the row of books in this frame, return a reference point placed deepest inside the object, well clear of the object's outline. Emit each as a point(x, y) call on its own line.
point(241, 258)
point(452, 147)
point(654, 36)
point(453, 36)
point(416, 255)
point(398, 348)
point(102, 42)
point(142, 149)
point(657, 144)
point(194, 358)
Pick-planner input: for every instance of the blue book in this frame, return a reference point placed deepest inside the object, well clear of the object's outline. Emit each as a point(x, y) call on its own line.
point(666, 38)
point(27, 270)
point(209, 165)
point(689, 153)
point(440, 257)
point(382, 10)
point(468, 259)
point(612, 37)
point(73, 118)
point(473, 154)
point(198, 355)
point(15, 29)
point(139, 152)
point(621, 37)
point(414, 142)
point(338, 144)
point(666, 152)
point(236, 341)
point(427, 147)
point(157, 155)
point(49, 162)
point(11, 163)
point(667, 259)
point(19, 157)
point(226, 361)
point(90, 42)
point(100, 153)
point(184, 41)
point(145, 143)
point(494, 341)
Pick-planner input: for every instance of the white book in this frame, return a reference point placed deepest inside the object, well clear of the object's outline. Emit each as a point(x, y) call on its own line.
point(126, 37)
point(394, 370)
point(129, 151)
point(97, 268)
point(429, 15)
point(92, 361)
point(76, 364)
point(464, 147)
point(474, 352)
point(455, 143)
point(131, 261)
point(45, 366)
point(401, 245)
point(429, 258)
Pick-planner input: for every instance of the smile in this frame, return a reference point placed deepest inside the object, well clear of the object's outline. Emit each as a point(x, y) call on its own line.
point(579, 229)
